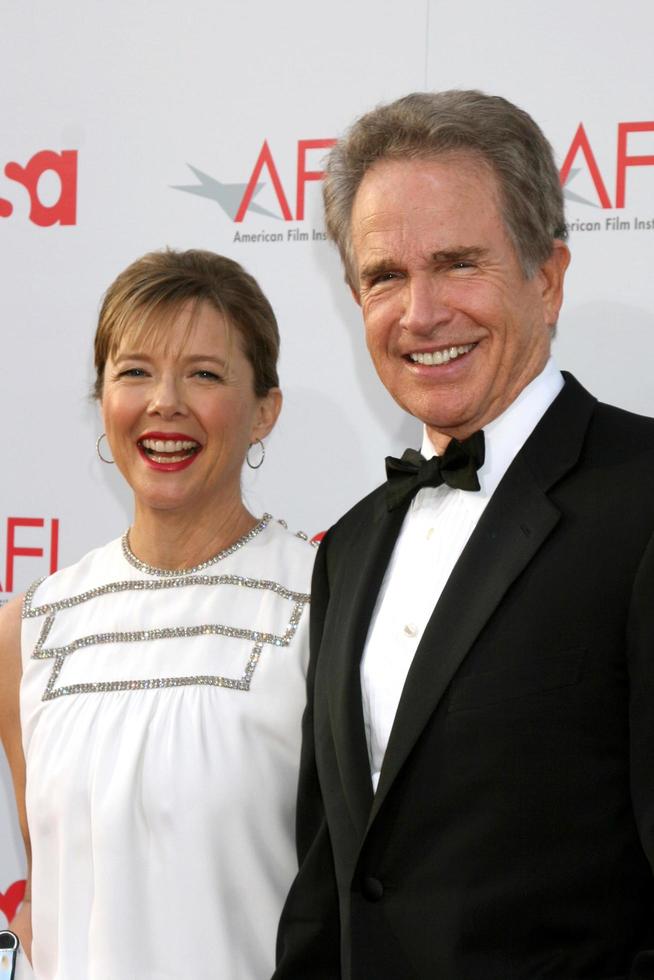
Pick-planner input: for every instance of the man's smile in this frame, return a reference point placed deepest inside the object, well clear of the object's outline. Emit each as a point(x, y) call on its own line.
point(440, 356)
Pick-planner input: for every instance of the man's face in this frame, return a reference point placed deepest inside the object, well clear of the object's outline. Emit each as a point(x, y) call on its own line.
point(454, 328)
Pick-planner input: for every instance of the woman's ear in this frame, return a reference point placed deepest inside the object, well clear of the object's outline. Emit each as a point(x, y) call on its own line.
point(267, 413)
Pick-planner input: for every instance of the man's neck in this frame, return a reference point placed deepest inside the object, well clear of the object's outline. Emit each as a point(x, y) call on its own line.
point(440, 439)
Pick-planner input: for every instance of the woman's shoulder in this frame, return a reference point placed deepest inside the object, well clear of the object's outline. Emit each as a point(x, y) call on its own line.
point(93, 569)
point(291, 539)
point(281, 551)
point(10, 616)
point(298, 541)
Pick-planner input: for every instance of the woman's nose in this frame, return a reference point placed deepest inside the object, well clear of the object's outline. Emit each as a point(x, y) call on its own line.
point(167, 398)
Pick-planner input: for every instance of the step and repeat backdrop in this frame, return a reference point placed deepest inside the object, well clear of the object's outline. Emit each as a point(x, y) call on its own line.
point(128, 126)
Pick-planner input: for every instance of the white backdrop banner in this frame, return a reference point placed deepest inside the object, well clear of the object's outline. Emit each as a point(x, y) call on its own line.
point(131, 126)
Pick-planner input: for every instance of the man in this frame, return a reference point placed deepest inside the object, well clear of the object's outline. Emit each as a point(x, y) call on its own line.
point(477, 787)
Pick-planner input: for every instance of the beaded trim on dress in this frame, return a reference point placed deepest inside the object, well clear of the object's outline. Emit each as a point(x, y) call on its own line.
point(166, 580)
point(169, 572)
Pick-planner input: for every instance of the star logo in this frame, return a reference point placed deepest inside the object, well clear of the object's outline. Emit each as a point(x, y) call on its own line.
point(227, 196)
point(570, 195)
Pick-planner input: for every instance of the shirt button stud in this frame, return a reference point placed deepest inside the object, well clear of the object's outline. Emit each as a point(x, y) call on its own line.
point(410, 629)
point(372, 888)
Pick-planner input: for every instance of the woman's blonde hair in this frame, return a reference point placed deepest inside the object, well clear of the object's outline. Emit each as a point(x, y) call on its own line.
point(145, 298)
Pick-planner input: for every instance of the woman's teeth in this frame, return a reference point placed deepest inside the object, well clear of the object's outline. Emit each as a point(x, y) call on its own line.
point(168, 445)
point(441, 356)
point(176, 450)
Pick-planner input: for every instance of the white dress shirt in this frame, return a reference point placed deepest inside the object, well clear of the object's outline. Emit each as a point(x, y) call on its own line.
point(435, 531)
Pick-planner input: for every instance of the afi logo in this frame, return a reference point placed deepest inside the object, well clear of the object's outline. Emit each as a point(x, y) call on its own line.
point(49, 546)
point(11, 899)
point(580, 147)
point(237, 199)
point(64, 166)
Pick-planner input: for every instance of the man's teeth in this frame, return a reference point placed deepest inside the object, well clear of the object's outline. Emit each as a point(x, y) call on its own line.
point(441, 356)
point(168, 445)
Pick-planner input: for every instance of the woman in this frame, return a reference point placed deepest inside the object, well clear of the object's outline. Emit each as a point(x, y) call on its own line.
point(163, 674)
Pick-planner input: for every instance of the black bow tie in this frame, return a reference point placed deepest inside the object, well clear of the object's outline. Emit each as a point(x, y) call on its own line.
point(457, 467)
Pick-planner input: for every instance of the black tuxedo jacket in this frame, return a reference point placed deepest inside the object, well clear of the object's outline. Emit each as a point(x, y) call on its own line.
point(512, 833)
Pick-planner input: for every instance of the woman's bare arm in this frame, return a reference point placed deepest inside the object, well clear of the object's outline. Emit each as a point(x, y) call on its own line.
point(10, 733)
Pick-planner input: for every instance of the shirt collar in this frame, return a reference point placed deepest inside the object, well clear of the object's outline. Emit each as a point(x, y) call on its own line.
point(506, 434)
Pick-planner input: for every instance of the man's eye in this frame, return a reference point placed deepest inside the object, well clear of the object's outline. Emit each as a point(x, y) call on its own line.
point(383, 277)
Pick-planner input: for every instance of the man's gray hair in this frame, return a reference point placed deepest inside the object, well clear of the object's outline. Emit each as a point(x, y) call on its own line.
point(426, 124)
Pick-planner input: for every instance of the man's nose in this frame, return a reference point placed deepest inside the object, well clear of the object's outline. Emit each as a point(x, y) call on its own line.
point(425, 308)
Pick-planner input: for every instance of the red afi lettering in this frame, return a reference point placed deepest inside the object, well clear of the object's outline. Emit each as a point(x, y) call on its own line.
point(15, 551)
point(304, 175)
point(625, 161)
point(265, 158)
point(580, 142)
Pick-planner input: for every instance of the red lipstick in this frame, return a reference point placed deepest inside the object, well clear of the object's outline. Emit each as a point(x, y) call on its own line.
point(169, 461)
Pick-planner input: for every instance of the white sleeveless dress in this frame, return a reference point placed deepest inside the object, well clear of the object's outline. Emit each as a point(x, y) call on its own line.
point(161, 726)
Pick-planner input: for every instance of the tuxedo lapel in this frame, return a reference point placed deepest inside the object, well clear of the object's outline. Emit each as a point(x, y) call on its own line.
point(360, 573)
point(504, 542)
point(510, 533)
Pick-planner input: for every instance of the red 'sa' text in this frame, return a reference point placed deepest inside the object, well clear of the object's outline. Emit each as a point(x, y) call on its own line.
point(64, 166)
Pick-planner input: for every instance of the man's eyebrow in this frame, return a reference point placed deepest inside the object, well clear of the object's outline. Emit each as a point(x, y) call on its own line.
point(462, 253)
point(369, 272)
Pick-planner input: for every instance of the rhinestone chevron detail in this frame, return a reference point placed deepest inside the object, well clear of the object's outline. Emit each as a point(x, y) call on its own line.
point(153, 585)
point(259, 638)
point(152, 683)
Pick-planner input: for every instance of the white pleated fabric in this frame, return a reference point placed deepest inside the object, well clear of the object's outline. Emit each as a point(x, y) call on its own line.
point(161, 726)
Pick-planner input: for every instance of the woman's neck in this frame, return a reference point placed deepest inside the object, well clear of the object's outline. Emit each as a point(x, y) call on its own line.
point(167, 539)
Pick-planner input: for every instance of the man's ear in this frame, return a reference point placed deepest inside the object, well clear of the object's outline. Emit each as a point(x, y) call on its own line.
point(552, 273)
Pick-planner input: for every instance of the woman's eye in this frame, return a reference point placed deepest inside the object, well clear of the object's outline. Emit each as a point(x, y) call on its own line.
point(205, 375)
point(132, 373)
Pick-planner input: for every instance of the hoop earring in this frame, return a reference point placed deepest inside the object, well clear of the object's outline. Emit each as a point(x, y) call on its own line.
point(98, 441)
point(255, 466)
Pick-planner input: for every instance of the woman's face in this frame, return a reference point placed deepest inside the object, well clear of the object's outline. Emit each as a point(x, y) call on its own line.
point(181, 412)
